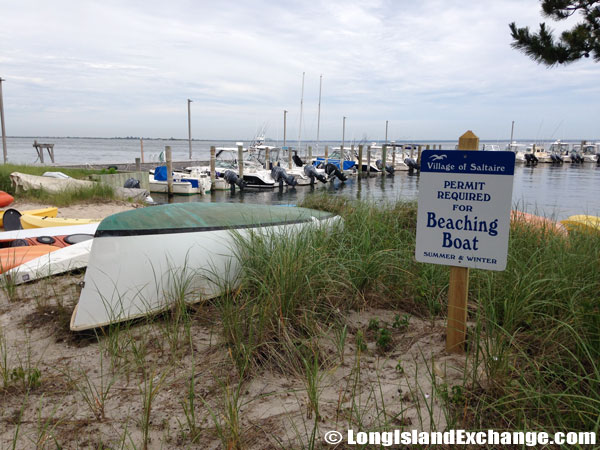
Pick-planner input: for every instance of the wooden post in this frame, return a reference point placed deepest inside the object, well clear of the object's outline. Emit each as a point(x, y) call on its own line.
point(360, 158)
point(458, 289)
point(138, 165)
point(309, 154)
point(412, 150)
point(383, 159)
point(169, 170)
point(189, 127)
point(267, 158)
point(142, 149)
point(394, 157)
point(369, 160)
point(342, 159)
point(326, 154)
point(2, 129)
point(290, 158)
point(241, 161)
point(51, 152)
point(213, 167)
point(419, 150)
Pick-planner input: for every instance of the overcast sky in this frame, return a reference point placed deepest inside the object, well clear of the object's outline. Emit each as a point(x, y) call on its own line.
point(433, 68)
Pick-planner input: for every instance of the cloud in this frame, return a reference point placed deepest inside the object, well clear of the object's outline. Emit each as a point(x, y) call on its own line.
point(433, 68)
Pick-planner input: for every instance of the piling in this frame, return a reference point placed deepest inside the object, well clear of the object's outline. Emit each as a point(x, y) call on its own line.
point(267, 158)
point(241, 161)
point(369, 160)
point(290, 158)
point(138, 165)
point(213, 167)
point(394, 157)
point(326, 154)
point(419, 150)
point(360, 158)
point(412, 151)
point(169, 170)
point(342, 158)
point(383, 159)
point(309, 154)
point(458, 288)
point(2, 128)
point(142, 149)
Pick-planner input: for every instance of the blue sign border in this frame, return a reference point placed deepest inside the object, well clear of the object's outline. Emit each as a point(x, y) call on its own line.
point(468, 162)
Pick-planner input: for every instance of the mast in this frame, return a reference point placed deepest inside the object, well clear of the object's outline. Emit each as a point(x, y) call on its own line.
point(319, 113)
point(301, 109)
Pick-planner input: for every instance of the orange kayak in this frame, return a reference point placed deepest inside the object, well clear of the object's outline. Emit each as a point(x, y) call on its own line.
point(538, 222)
point(5, 199)
point(15, 256)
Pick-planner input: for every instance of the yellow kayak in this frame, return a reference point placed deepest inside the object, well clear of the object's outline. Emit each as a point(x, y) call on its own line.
point(50, 212)
point(582, 222)
point(29, 221)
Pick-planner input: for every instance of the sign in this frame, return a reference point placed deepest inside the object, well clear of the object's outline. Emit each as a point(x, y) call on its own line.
point(465, 199)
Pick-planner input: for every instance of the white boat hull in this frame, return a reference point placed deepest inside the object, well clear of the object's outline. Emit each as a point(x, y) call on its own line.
point(133, 276)
point(69, 258)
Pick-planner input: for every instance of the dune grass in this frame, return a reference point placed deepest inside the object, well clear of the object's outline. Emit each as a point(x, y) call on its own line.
point(533, 346)
point(535, 327)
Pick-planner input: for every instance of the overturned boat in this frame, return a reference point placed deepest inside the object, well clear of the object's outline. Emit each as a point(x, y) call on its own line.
point(142, 261)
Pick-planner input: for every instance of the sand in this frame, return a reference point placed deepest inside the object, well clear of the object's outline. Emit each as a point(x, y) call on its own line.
point(87, 390)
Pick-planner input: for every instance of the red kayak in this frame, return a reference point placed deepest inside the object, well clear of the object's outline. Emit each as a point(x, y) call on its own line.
point(5, 199)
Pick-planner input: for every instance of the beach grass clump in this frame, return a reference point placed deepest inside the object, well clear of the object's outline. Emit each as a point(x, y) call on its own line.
point(541, 332)
point(534, 328)
point(96, 193)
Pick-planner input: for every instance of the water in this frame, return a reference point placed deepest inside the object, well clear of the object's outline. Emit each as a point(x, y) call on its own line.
point(553, 191)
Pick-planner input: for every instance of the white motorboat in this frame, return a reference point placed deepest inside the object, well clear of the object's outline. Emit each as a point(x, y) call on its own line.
point(518, 149)
point(183, 183)
point(144, 260)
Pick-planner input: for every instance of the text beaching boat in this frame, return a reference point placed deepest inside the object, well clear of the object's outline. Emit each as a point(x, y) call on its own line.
point(141, 259)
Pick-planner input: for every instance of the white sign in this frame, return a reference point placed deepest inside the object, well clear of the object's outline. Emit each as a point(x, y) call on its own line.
point(464, 208)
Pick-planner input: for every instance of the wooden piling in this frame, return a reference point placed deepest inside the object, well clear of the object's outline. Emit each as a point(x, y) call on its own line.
point(394, 157)
point(360, 158)
point(138, 165)
point(326, 154)
point(290, 162)
point(2, 128)
point(342, 158)
point(267, 158)
point(241, 161)
point(309, 154)
point(383, 159)
point(412, 151)
point(458, 289)
point(369, 160)
point(419, 150)
point(213, 168)
point(169, 158)
point(142, 149)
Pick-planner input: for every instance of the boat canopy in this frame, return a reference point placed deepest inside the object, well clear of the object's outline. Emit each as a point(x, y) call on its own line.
point(192, 217)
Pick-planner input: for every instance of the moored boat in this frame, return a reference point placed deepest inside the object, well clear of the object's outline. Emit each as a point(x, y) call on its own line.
point(141, 259)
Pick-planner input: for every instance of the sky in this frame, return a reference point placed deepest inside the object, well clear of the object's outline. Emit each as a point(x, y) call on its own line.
point(431, 68)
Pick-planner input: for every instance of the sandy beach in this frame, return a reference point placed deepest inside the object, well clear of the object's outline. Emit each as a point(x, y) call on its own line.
point(153, 382)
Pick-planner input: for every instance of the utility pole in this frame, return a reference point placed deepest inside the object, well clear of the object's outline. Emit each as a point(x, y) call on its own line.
point(301, 111)
point(386, 131)
point(284, 125)
point(190, 127)
point(319, 113)
point(2, 124)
